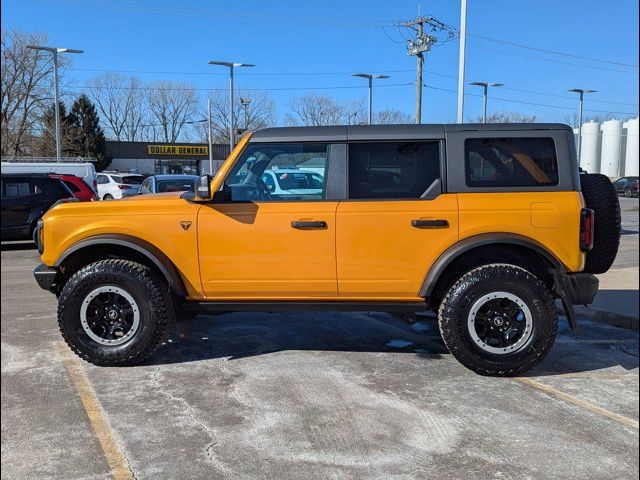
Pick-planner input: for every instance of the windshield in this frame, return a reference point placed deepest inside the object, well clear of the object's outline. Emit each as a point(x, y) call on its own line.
point(127, 179)
point(182, 185)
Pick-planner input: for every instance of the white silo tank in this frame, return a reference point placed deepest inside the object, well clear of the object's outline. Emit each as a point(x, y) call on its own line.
point(611, 148)
point(631, 160)
point(590, 147)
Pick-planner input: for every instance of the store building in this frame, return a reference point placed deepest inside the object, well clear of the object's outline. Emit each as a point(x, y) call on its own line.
point(160, 158)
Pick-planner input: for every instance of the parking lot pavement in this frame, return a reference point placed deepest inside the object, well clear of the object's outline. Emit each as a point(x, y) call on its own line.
point(313, 395)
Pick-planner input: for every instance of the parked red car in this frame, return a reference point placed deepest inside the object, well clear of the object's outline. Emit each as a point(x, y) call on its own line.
point(78, 187)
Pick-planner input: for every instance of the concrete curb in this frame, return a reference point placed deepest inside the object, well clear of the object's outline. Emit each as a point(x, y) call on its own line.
point(610, 318)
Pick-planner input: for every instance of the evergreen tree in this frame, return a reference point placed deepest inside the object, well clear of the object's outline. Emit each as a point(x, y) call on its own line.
point(86, 136)
point(47, 146)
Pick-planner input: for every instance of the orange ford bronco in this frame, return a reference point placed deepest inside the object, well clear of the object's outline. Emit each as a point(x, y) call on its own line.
point(486, 225)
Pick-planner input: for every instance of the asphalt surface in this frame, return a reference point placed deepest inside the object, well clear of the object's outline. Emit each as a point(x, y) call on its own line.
point(313, 395)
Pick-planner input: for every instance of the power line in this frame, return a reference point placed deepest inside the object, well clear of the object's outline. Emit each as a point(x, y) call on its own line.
point(527, 103)
point(553, 52)
point(551, 60)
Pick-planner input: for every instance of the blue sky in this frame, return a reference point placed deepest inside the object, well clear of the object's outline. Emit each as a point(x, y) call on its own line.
point(318, 43)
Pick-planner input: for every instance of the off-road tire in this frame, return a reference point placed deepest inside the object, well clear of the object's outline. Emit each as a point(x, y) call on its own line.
point(600, 196)
point(456, 305)
point(149, 291)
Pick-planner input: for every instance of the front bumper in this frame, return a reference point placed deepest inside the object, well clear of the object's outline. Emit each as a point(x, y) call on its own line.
point(46, 277)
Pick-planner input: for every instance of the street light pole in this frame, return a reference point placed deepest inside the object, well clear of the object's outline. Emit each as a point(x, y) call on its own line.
point(485, 86)
point(369, 77)
point(55, 51)
point(461, 60)
point(580, 92)
point(231, 66)
point(245, 102)
point(210, 136)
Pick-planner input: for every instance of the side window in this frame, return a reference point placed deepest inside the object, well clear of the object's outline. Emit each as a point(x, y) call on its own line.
point(146, 186)
point(511, 162)
point(392, 169)
point(276, 172)
point(18, 188)
point(102, 179)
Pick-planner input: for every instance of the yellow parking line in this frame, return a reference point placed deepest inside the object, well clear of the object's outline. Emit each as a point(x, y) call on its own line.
point(629, 422)
point(112, 452)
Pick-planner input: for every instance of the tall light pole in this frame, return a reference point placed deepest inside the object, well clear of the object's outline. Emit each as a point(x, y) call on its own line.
point(485, 86)
point(580, 92)
point(463, 41)
point(55, 51)
point(210, 136)
point(369, 77)
point(232, 119)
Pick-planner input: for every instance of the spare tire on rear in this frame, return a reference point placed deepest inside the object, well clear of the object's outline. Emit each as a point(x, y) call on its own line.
point(600, 196)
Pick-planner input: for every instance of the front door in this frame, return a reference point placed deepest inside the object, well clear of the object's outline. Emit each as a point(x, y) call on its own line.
point(271, 240)
point(396, 221)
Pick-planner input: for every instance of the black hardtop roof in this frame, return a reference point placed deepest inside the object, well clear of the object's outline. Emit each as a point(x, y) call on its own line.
point(390, 132)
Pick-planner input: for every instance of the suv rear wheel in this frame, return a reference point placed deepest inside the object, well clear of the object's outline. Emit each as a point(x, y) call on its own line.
point(114, 312)
point(498, 320)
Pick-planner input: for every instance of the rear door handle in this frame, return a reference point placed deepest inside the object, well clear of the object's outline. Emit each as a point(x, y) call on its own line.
point(430, 223)
point(308, 225)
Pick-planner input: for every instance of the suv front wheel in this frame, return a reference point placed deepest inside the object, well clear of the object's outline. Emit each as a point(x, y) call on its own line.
point(498, 320)
point(114, 312)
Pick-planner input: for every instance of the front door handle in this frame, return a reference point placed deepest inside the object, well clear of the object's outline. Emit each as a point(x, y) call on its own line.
point(430, 223)
point(308, 225)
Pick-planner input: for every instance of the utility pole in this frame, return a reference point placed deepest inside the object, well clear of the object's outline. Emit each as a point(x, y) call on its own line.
point(420, 45)
point(580, 92)
point(55, 51)
point(485, 86)
point(461, 60)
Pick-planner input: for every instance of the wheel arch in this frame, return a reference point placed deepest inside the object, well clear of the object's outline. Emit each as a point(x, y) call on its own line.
point(121, 246)
point(494, 242)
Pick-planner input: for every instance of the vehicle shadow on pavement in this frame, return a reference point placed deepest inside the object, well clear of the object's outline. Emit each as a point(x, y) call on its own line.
point(239, 335)
point(14, 246)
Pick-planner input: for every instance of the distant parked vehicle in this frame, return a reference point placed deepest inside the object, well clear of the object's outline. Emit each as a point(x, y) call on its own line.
point(168, 183)
point(78, 187)
point(86, 171)
point(25, 198)
point(114, 185)
point(292, 181)
point(627, 186)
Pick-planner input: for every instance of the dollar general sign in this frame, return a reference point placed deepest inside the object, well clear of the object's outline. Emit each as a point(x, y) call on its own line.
point(177, 150)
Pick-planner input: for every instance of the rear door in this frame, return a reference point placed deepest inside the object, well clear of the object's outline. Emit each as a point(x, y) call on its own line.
point(396, 220)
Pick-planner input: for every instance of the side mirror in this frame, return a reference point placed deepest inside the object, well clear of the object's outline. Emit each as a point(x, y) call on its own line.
point(203, 188)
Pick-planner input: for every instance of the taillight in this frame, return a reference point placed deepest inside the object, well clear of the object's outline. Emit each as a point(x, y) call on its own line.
point(587, 219)
point(123, 187)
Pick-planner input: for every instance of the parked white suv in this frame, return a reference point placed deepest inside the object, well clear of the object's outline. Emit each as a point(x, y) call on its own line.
point(113, 185)
point(292, 181)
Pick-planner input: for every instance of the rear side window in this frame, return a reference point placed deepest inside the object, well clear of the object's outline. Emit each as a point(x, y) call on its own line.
point(392, 169)
point(511, 162)
point(72, 186)
point(102, 179)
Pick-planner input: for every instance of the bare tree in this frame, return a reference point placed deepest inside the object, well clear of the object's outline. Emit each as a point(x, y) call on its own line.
point(258, 113)
point(315, 110)
point(26, 89)
point(171, 106)
point(121, 102)
point(573, 118)
point(393, 117)
point(506, 117)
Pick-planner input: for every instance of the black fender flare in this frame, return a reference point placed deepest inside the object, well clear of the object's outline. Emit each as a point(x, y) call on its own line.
point(453, 252)
point(151, 252)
